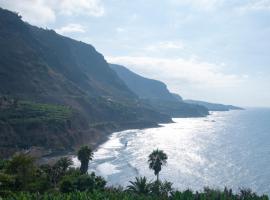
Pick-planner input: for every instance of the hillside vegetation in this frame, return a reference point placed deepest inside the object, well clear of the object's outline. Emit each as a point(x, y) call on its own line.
point(60, 82)
point(24, 124)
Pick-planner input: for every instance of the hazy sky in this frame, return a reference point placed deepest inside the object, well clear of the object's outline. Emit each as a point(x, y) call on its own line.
point(215, 50)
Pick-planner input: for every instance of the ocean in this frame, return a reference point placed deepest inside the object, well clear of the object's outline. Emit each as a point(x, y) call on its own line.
point(223, 149)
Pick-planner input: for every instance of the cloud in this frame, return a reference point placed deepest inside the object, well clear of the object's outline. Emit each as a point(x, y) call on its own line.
point(255, 5)
point(200, 4)
point(33, 11)
point(120, 30)
point(209, 5)
point(86, 7)
point(71, 28)
point(165, 45)
point(43, 12)
point(179, 72)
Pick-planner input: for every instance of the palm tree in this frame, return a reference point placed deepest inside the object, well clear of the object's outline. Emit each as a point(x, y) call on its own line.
point(156, 159)
point(84, 155)
point(140, 186)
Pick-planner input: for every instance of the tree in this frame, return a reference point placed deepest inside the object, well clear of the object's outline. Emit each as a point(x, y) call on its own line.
point(23, 168)
point(100, 182)
point(140, 186)
point(82, 182)
point(3, 164)
point(163, 189)
point(54, 173)
point(156, 160)
point(63, 164)
point(84, 155)
point(7, 182)
point(58, 170)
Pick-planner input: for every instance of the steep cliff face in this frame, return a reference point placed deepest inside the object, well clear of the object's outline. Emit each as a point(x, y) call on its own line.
point(81, 64)
point(145, 88)
point(155, 93)
point(42, 67)
point(39, 62)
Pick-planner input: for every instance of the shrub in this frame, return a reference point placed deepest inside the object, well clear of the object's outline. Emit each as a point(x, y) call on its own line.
point(67, 185)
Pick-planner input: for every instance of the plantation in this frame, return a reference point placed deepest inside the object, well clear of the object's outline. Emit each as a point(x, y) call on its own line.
point(17, 112)
point(27, 124)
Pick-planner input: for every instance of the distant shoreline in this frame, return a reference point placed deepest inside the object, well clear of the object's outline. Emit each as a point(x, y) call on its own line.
point(105, 135)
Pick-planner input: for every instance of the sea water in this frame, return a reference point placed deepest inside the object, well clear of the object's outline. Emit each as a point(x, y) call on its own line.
point(223, 149)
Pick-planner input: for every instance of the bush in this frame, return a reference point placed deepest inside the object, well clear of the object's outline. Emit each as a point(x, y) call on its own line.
point(85, 183)
point(81, 182)
point(67, 185)
point(3, 164)
point(7, 182)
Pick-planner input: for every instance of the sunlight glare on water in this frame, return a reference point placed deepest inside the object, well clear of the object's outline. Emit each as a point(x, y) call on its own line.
point(224, 149)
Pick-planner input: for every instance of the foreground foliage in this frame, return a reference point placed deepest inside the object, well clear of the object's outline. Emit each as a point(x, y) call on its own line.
point(22, 179)
point(118, 194)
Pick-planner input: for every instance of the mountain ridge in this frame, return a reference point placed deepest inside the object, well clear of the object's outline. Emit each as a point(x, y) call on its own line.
point(43, 68)
point(155, 94)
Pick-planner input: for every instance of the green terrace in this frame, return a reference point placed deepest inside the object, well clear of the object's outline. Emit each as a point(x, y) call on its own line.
point(29, 112)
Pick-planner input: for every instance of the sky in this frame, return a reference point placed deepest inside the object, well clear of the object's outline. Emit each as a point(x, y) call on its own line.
point(213, 50)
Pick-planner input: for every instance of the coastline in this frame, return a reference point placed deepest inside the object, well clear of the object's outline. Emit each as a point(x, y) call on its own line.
point(104, 133)
point(94, 137)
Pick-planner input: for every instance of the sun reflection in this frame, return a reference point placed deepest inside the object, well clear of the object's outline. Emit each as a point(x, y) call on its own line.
point(202, 152)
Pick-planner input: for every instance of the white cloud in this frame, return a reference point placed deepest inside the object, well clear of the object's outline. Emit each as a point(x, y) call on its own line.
point(176, 72)
point(242, 6)
point(71, 28)
point(33, 11)
point(120, 30)
point(43, 12)
point(165, 45)
point(200, 4)
point(86, 7)
point(255, 5)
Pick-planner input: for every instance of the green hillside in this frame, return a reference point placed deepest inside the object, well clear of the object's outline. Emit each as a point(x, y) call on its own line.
point(57, 79)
